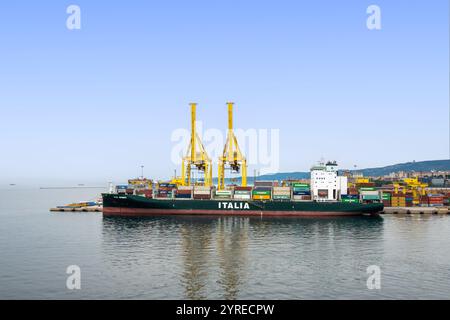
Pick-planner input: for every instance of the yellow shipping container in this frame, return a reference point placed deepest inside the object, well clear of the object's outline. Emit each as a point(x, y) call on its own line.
point(261, 197)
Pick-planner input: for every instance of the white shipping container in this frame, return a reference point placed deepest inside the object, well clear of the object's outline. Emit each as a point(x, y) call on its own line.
point(223, 192)
point(281, 193)
point(185, 188)
point(202, 192)
point(202, 188)
point(281, 189)
point(242, 197)
point(370, 193)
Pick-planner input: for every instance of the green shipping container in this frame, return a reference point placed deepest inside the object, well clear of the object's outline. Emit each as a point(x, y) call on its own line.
point(367, 189)
point(300, 185)
point(350, 200)
point(300, 189)
point(261, 193)
point(371, 197)
point(282, 197)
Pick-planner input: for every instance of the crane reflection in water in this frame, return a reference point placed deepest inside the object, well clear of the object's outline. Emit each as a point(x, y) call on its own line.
point(191, 257)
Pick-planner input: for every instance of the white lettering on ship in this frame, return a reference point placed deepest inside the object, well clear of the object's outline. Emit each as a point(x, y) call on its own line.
point(234, 205)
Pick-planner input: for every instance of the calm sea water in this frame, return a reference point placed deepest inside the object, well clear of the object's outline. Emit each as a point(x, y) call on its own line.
point(214, 258)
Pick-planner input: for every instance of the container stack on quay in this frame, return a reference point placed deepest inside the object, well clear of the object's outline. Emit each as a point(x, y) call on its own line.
point(301, 191)
point(435, 200)
point(202, 193)
point(398, 200)
point(386, 198)
point(409, 198)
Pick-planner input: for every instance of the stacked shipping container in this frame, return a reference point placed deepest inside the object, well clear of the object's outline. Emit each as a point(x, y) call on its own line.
point(281, 193)
point(398, 200)
point(301, 191)
point(166, 190)
point(202, 193)
point(223, 194)
point(242, 193)
point(184, 192)
point(350, 198)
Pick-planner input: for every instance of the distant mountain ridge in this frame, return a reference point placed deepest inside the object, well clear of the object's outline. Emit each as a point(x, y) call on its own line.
point(424, 166)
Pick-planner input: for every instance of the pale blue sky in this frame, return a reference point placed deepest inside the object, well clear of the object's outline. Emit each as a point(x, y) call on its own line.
point(96, 103)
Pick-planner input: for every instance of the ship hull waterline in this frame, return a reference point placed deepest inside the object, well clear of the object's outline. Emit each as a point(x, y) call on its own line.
point(137, 206)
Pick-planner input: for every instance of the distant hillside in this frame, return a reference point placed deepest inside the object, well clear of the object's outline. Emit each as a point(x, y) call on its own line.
point(437, 165)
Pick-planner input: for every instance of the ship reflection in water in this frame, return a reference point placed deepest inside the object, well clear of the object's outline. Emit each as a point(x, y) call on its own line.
point(241, 257)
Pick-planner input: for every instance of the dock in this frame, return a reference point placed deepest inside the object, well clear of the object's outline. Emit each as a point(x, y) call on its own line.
point(416, 210)
point(387, 210)
point(78, 209)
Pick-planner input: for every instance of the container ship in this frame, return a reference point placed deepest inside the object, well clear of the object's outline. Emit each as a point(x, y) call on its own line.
point(326, 194)
point(132, 205)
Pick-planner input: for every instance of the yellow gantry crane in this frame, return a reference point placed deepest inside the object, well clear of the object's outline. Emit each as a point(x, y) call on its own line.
point(196, 156)
point(232, 155)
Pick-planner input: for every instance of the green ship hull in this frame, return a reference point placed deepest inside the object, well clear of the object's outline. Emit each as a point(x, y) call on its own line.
point(131, 205)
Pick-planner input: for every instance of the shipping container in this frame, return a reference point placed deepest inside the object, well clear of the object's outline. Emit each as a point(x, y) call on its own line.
point(261, 192)
point(184, 191)
point(242, 189)
point(281, 197)
point(242, 196)
point(367, 189)
point(281, 189)
point(350, 200)
point(301, 193)
point(183, 196)
point(262, 189)
point(263, 183)
point(190, 188)
point(349, 196)
point(223, 192)
point(242, 192)
point(202, 196)
point(370, 197)
point(301, 198)
point(261, 197)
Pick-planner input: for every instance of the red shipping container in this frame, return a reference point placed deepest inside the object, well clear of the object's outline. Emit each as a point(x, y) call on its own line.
point(184, 191)
point(243, 188)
